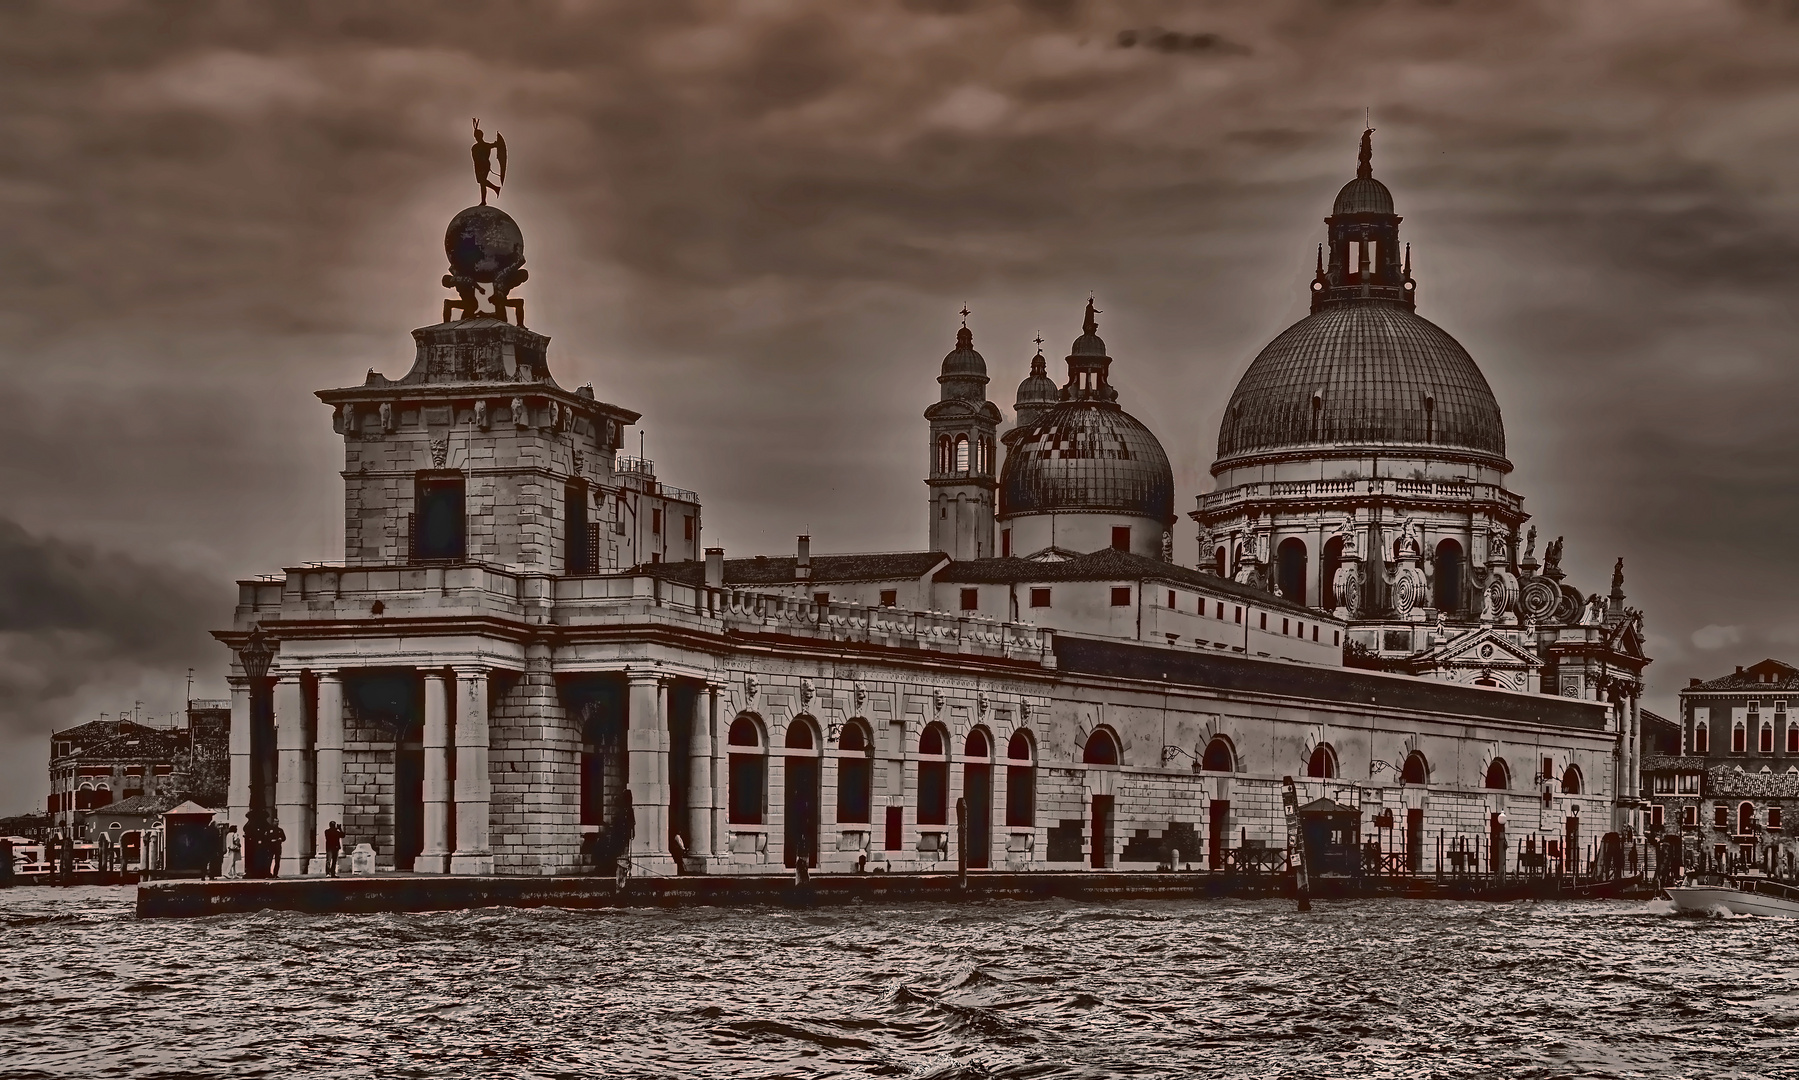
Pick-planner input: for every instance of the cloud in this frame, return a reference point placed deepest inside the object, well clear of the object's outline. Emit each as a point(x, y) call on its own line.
point(1713, 637)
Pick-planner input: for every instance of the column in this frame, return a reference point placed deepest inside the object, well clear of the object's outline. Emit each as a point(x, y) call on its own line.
point(646, 755)
point(293, 809)
point(237, 797)
point(434, 857)
point(474, 789)
point(721, 836)
point(328, 738)
point(699, 772)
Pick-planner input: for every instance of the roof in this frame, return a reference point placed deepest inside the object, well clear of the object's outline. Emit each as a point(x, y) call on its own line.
point(123, 740)
point(1087, 455)
point(188, 809)
point(1109, 564)
point(137, 804)
point(1363, 195)
point(1327, 806)
point(1362, 372)
point(761, 570)
point(1770, 674)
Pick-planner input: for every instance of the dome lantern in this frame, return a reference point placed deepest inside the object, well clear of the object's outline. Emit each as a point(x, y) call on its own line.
point(1365, 261)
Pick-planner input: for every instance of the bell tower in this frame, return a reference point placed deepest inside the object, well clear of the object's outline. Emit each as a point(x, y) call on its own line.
point(962, 469)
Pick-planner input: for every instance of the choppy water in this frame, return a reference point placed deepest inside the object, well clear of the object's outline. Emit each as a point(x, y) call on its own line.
point(1204, 988)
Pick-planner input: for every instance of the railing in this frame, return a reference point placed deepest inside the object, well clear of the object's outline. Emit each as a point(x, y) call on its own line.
point(635, 465)
point(1457, 490)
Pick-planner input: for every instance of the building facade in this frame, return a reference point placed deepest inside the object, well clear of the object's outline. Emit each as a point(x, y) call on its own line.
point(491, 683)
point(102, 762)
point(1729, 786)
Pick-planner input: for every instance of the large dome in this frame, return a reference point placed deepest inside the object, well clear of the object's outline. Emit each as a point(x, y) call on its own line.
point(1362, 373)
point(1087, 456)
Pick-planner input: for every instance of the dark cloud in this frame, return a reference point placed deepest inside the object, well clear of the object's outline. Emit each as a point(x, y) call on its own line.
point(753, 222)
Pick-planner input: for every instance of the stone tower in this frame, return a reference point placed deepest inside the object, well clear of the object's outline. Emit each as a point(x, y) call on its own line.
point(963, 429)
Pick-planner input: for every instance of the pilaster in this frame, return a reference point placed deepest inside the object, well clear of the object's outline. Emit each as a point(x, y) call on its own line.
point(329, 742)
point(646, 750)
point(237, 797)
point(474, 788)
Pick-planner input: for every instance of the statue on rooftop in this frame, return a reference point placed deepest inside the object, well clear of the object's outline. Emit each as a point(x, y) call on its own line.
point(484, 154)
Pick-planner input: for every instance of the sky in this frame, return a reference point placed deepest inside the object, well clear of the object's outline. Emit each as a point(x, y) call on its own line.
point(755, 222)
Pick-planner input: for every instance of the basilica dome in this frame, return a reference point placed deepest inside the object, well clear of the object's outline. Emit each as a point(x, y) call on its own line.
point(1366, 372)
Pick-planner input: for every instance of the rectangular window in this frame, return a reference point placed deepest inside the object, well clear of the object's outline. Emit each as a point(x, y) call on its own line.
point(1548, 769)
point(746, 789)
point(1773, 817)
point(1314, 631)
point(1662, 784)
point(440, 527)
point(1688, 783)
point(1655, 816)
point(889, 597)
point(1220, 610)
point(1121, 538)
point(656, 521)
point(1171, 604)
point(1793, 738)
point(1335, 635)
point(855, 780)
point(971, 599)
point(687, 526)
point(1121, 597)
point(1264, 620)
point(1039, 597)
point(821, 598)
point(896, 830)
point(1738, 743)
point(1765, 738)
point(1005, 543)
point(1720, 816)
point(1021, 802)
point(1702, 742)
point(1689, 816)
point(577, 558)
point(1284, 625)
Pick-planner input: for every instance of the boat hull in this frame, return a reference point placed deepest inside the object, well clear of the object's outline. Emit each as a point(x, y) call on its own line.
point(1710, 898)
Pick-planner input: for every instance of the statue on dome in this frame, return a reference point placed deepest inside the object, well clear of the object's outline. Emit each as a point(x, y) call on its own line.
point(484, 154)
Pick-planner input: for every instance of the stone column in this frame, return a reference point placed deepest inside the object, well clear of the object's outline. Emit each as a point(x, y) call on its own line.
point(434, 858)
point(646, 753)
point(474, 788)
point(699, 773)
point(237, 796)
point(329, 740)
point(293, 805)
point(720, 763)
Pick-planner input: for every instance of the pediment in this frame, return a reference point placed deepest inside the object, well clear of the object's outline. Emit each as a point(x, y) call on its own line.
point(1481, 647)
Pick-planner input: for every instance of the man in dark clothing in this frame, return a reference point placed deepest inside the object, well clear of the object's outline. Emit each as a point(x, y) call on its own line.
point(276, 837)
point(334, 843)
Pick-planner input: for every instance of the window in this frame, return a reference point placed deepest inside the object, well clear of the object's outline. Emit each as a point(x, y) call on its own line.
point(1701, 739)
point(945, 455)
point(1571, 781)
point(821, 598)
point(1655, 816)
point(747, 768)
point(855, 774)
point(656, 521)
point(1220, 612)
point(1737, 741)
point(971, 599)
point(1219, 756)
point(1765, 738)
point(1101, 749)
point(1039, 597)
point(575, 549)
point(1416, 770)
point(1284, 624)
point(1121, 597)
point(1792, 738)
point(1238, 617)
point(1314, 631)
point(1264, 620)
point(1121, 538)
point(1689, 816)
point(687, 526)
point(889, 597)
point(1548, 770)
point(1290, 569)
point(1499, 777)
point(1745, 819)
point(1773, 817)
point(961, 453)
point(1171, 604)
point(1323, 762)
point(1687, 783)
point(439, 530)
point(933, 776)
point(1005, 543)
point(1021, 802)
point(1720, 816)
point(1662, 784)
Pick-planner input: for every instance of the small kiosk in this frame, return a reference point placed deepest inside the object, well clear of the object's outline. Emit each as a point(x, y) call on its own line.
point(187, 830)
point(1329, 831)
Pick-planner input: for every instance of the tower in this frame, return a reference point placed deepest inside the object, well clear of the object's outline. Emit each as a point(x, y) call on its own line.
point(963, 428)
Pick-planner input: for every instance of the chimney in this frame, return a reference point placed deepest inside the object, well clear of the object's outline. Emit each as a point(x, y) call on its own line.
point(715, 568)
point(1739, 669)
point(1694, 682)
point(802, 566)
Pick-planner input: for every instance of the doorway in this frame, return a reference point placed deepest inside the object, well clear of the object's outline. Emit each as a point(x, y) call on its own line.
point(1102, 831)
point(801, 818)
point(1218, 827)
point(977, 788)
point(409, 804)
point(1414, 839)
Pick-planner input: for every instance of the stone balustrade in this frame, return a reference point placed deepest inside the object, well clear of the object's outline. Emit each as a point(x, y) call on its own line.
point(1393, 487)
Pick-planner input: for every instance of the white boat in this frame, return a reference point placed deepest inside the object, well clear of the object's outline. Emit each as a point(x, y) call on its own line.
point(1738, 896)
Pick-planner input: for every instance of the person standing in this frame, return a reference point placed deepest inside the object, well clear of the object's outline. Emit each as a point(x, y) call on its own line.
point(234, 851)
point(276, 837)
point(334, 844)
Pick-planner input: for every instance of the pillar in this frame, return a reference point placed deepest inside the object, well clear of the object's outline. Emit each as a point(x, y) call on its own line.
point(646, 755)
point(293, 802)
point(721, 833)
point(699, 774)
point(474, 788)
point(434, 857)
point(237, 791)
point(328, 738)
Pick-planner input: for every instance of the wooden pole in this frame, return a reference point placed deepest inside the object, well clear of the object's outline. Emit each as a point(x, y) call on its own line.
point(1296, 847)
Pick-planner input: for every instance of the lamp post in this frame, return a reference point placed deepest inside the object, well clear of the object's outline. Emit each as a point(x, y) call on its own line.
point(256, 654)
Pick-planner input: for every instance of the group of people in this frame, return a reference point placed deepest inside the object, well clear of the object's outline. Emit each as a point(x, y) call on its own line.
point(260, 846)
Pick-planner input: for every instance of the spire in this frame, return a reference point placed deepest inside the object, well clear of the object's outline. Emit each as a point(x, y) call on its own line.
point(1365, 170)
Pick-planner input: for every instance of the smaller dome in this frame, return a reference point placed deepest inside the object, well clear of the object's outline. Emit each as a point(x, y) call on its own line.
point(963, 360)
point(1038, 388)
point(1087, 456)
point(1363, 195)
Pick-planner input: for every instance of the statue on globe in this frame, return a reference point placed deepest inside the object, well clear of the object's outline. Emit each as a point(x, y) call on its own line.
point(485, 246)
point(484, 154)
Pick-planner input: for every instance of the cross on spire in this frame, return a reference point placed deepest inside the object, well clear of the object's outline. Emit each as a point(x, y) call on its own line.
point(965, 314)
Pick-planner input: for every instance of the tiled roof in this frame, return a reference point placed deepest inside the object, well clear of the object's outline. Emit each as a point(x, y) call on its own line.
point(115, 740)
point(1111, 565)
point(138, 804)
point(1785, 677)
point(867, 566)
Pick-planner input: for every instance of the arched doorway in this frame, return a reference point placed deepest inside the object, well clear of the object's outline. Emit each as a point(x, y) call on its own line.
point(1745, 819)
point(1101, 749)
point(1328, 563)
point(1021, 792)
point(748, 772)
point(933, 776)
point(1448, 579)
point(977, 789)
point(1322, 764)
point(1290, 569)
point(801, 806)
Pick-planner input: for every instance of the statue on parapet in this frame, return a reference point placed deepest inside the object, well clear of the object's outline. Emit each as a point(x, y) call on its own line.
point(1552, 557)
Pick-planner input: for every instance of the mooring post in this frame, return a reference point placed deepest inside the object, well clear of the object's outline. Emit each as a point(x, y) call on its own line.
point(1296, 847)
point(962, 844)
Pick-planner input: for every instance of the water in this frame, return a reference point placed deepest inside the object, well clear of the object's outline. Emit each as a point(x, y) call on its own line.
point(1203, 988)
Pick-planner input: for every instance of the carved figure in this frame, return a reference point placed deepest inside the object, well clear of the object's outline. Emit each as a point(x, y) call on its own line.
point(806, 692)
point(519, 417)
point(1411, 546)
point(937, 700)
point(481, 414)
point(1167, 547)
point(1594, 612)
point(1496, 547)
point(484, 154)
point(1552, 555)
point(440, 452)
point(1618, 577)
point(860, 694)
point(750, 685)
point(387, 416)
point(1530, 545)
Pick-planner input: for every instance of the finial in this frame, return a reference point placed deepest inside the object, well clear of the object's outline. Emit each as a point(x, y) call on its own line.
point(1321, 259)
point(1408, 260)
point(1090, 324)
point(1039, 340)
point(1366, 168)
point(965, 314)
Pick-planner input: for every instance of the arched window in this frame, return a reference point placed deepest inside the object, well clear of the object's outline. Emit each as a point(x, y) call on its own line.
point(977, 791)
point(1571, 781)
point(748, 770)
point(1219, 756)
point(1101, 749)
point(1327, 572)
point(1448, 578)
point(799, 736)
point(961, 453)
point(102, 795)
point(933, 776)
point(1290, 569)
point(801, 803)
point(1745, 819)
point(976, 745)
point(1223, 571)
point(1416, 770)
point(1702, 743)
point(1499, 776)
point(1737, 743)
point(945, 454)
point(855, 773)
point(1323, 762)
point(1021, 792)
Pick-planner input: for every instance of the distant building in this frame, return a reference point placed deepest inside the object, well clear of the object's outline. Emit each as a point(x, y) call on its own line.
point(1727, 776)
point(103, 762)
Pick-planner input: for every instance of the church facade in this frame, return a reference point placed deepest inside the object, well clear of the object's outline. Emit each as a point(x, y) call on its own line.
point(527, 663)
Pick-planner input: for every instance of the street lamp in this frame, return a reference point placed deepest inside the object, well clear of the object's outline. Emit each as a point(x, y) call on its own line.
point(255, 655)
